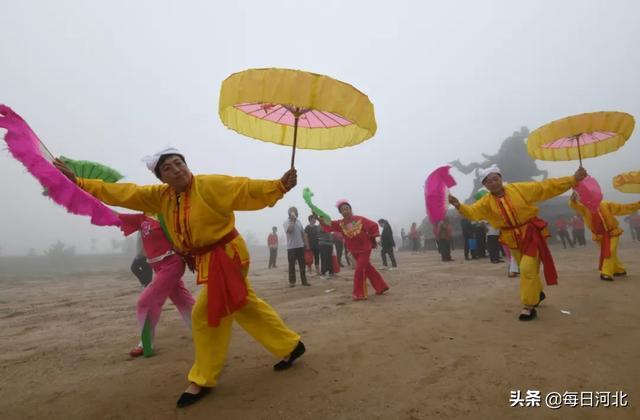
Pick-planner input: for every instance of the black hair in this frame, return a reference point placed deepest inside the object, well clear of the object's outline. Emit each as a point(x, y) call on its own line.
point(156, 170)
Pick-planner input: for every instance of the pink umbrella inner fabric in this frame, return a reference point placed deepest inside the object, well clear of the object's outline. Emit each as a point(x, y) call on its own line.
point(585, 138)
point(281, 114)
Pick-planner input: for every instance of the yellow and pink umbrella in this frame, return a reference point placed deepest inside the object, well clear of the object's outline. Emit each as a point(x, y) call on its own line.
point(581, 136)
point(296, 108)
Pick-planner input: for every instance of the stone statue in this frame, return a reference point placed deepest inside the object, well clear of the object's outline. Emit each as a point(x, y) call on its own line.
point(512, 159)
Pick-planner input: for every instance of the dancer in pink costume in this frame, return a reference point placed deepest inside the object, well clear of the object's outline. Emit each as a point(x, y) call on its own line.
point(168, 268)
point(360, 238)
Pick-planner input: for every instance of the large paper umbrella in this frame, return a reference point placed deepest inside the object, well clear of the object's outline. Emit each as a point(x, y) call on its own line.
point(581, 136)
point(628, 182)
point(436, 189)
point(296, 108)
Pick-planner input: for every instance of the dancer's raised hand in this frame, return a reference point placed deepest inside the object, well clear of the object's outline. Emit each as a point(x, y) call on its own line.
point(580, 174)
point(62, 167)
point(290, 179)
point(454, 201)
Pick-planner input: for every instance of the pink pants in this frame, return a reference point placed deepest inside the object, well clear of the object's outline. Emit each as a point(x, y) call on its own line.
point(364, 269)
point(167, 283)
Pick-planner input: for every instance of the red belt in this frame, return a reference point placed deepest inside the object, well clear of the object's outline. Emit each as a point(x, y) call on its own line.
point(605, 242)
point(534, 243)
point(226, 288)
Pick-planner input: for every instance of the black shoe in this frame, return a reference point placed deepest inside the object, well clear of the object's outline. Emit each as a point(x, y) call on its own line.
point(306, 284)
point(605, 278)
point(542, 297)
point(531, 316)
point(624, 273)
point(286, 364)
point(187, 398)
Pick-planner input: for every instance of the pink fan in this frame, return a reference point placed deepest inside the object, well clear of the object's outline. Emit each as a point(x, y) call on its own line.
point(26, 147)
point(589, 192)
point(435, 193)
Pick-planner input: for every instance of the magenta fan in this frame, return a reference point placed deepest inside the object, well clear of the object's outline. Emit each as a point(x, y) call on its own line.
point(26, 147)
point(435, 193)
point(589, 192)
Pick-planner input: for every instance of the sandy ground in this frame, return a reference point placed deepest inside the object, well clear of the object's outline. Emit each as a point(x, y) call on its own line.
point(444, 343)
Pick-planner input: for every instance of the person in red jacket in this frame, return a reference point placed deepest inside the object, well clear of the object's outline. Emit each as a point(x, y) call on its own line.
point(577, 231)
point(414, 236)
point(360, 238)
point(443, 232)
point(272, 242)
point(563, 233)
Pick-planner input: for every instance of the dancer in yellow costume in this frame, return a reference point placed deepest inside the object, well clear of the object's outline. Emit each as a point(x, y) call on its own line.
point(197, 211)
point(511, 209)
point(606, 231)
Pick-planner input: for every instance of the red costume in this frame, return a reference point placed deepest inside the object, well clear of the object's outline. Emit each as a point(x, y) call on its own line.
point(360, 238)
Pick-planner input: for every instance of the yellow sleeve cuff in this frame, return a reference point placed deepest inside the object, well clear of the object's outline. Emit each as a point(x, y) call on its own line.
point(281, 186)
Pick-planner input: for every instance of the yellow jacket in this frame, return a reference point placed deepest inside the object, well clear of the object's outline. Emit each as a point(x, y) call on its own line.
point(200, 216)
point(607, 210)
point(512, 212)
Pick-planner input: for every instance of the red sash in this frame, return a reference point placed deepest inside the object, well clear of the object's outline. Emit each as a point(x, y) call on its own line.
point(535, 243)
point(226, 289)
point(599, 228)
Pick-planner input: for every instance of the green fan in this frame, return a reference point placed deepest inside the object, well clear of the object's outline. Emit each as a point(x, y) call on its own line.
point(92, 170)
point(306, 196)
point(480, 193)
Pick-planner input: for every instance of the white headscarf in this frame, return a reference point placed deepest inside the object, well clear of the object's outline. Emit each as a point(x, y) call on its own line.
point(152, 161)
point(485, 172)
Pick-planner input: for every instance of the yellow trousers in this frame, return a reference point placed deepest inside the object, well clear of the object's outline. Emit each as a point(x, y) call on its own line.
point(257, 318)
point(612, 265)
point(530, 283)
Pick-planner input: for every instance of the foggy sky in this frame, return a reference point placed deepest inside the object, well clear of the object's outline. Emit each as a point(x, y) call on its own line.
point(114, 81)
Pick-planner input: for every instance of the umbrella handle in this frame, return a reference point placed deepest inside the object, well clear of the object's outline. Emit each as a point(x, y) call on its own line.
point(579, 152)
point(295, 139)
